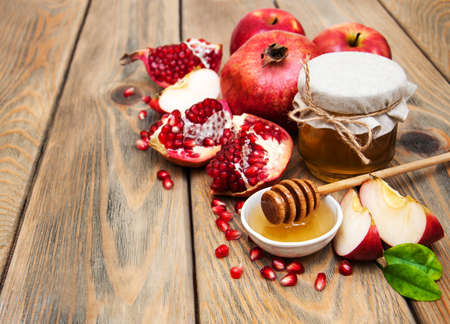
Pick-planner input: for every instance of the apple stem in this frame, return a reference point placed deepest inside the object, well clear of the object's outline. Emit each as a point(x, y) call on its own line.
point(275, 53)
point(275, 21)
point(355, 42)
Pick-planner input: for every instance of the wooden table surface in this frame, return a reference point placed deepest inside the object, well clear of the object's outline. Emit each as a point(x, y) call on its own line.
point(87, 233)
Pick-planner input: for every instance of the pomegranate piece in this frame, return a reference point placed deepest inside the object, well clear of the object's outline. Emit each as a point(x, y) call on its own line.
point(142, 114)
point(128, 92)
point(166, 64)
point(238, 206)
point(221, 251)
point(142, 144)
point(345, 268)
point(167, 183)
point(289, 280)
point(256, 253)
point(226, 215)
point(278, 264)
point(236, 272)
point(179, 136)
point(217, 202)
point(218, 209)
point(268, 273)
point(162, 174)
point(295, 267)
point(144, 135)
point(320, 282)
point(232, 234)
point(222, 225)
point(253, 155)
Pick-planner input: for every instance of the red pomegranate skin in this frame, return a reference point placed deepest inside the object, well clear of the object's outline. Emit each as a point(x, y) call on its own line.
point(267, 91)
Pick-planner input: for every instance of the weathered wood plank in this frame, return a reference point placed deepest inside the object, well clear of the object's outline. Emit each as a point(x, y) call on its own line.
point(427, 23)
point(426, 131)
point(252, 299)
point(36, 42)
point(102, 241)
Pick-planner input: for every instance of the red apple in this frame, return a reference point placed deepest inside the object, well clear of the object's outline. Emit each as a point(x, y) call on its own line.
point(399, 219)
point(262, 20)
point(357, 238)
point(352, 37)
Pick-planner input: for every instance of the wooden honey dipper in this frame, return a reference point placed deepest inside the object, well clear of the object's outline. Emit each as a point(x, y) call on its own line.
point(293, 199)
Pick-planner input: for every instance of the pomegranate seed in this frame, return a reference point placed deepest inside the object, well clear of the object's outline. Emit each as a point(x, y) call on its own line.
point(146, 99)
point(289, 280)
point(222, 225)
point(256, 253)
point(278, 264)
point(167, 183)
point(218, 209)
point(321, 281)
point(236, 272)
point(295, 267)
point(162, 174)
point(226, 215)
point(238, 206)
point(221, 251)
point(232, 234)
point(142, 114)
point(345, 268)
point(217, 202)
point(128, 92)
point(268, 273)
point(142, 145)
point(144, 134)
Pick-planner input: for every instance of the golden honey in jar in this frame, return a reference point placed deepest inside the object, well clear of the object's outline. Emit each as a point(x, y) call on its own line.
point(319, 221)
point(349, 94)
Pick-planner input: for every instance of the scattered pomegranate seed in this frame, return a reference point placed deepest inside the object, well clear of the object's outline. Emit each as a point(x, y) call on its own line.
point(167, 183)
point(268, 273)
point(142, 114)
point(144, 135)
point(217, 202)
point(222, 225)
point(142, 145)
point(146, 99)
point(128, 92)
point(221, 251)
point(345, 268)
point(226, 215)
point(238, 206)
point(321, 281)
point(162, 174)
point(232, 234)
point(289, 280)
point(256, 253)
point(218, 209)
point(295, 267)
point(278, 264)
point(236, 272)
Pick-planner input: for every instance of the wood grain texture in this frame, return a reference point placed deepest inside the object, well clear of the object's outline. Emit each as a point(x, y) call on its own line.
point(32, 34)
point(363, 297)
point(102, 241)
point(425, 132)
point(427, 22)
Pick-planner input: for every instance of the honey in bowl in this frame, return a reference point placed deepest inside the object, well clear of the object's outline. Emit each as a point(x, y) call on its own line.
point(318, 222)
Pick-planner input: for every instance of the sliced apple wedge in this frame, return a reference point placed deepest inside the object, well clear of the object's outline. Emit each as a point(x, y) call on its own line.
point(399, 219)
point(357, 238)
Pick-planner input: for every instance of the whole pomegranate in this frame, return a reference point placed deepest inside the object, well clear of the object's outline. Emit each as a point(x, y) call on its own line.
point(260, 78)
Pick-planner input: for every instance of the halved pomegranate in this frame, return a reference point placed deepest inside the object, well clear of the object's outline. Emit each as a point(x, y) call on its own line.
point(253, 156)
point(192, 137)
point(192, 88)
point(169, 63)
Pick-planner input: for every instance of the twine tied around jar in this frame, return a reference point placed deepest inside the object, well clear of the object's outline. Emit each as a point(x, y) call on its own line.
point(338, 121)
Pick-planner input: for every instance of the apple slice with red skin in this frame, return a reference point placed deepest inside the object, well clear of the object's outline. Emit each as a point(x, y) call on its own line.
point(399, 219)
point(357, 238)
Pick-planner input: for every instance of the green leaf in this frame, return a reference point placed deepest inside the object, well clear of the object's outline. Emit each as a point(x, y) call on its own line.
point(416, 255)
point(411, 282)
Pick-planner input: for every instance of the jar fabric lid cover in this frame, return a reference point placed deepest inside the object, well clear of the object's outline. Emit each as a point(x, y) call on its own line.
point(354, 83)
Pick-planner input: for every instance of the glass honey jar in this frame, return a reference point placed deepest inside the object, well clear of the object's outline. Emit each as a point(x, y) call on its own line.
point(347, 110)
